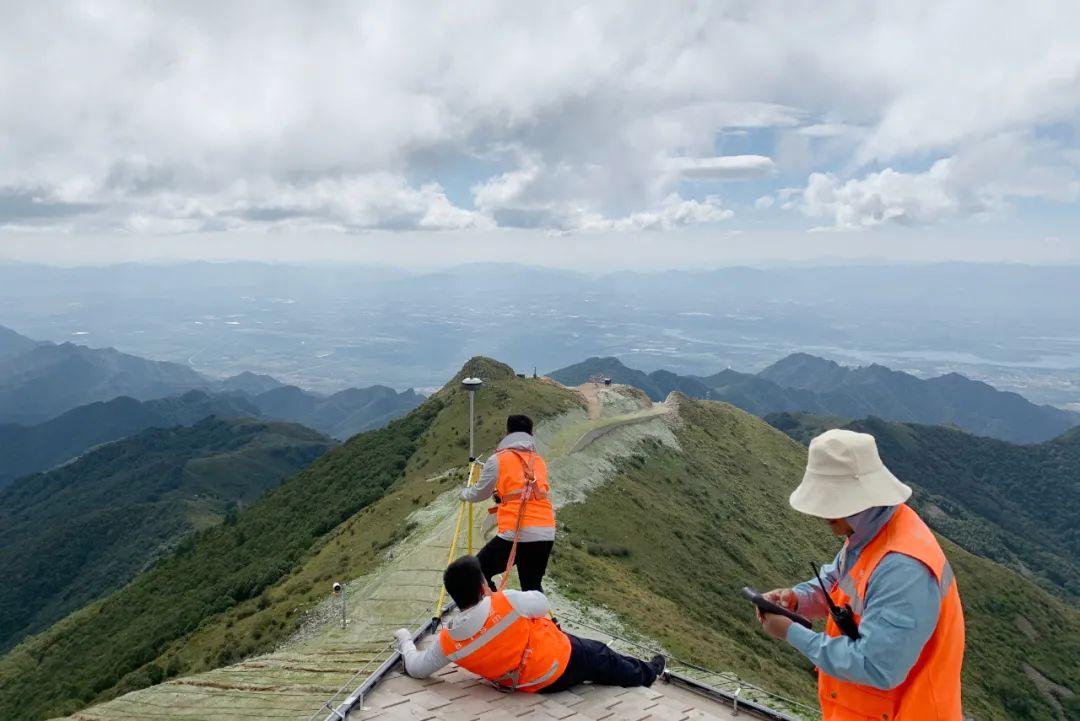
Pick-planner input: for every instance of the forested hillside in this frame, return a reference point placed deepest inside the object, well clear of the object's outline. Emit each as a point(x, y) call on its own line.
point(69, 536)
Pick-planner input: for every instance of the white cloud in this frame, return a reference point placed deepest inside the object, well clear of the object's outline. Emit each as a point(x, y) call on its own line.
point(828, 130)
point(888, 197)
point(534, 196)
point(167, 118)
point(764, 202)
point(726, 167)
point(979, 181)
point(673, 212)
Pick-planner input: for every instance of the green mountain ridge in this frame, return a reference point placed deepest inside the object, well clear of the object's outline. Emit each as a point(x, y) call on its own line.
point(30, 449)
point(805, 383)
point(51, 379)
point(71, 535)
point(661, 541)
point(341, 415)
point(41, 382)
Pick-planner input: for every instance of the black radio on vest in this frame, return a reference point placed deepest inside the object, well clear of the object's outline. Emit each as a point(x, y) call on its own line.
point(843, 617)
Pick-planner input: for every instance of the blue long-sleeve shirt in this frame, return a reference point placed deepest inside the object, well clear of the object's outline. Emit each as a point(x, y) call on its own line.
point(901, 612)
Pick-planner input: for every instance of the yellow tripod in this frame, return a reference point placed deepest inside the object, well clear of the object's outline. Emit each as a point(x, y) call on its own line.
point(474, 476)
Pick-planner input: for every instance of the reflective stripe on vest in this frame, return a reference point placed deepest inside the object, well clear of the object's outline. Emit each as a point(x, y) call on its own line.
point(515, 466)
point(931, 691)
point(515, 678)
point(486, 636)
point(524, 654)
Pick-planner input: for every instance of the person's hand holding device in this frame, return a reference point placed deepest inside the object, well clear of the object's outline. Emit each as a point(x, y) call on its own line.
point(776, 610)
point(784, 597)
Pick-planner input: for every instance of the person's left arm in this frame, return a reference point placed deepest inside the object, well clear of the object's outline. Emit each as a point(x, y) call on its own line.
point(903, 601)
point(419, 664)
point(485, 484)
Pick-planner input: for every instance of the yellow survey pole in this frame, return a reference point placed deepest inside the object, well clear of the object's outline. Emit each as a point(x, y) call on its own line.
point(449, 558)
point(471, 385)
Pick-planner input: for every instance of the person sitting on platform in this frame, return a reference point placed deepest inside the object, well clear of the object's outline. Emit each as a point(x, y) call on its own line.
point(507, 638)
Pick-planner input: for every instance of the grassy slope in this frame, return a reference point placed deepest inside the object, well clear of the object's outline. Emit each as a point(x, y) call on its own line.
point(71, 535)
point(246, 586)
point(668, 542)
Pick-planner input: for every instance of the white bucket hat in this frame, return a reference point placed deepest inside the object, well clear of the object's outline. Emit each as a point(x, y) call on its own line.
point(845, 475)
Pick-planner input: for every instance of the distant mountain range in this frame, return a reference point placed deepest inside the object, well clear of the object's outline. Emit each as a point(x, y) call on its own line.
point(57, 401)
point(341, 415)
point(12, 344)
point(71, 535)
point(50, 379)
point(806, 383)
point(1014, 504)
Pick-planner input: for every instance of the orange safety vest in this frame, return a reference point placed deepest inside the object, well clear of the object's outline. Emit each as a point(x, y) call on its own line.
point(931, 691)
point(523, 654)
point(515, 466)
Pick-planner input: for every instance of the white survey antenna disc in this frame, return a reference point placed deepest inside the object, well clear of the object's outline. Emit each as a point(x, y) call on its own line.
point(472, 383)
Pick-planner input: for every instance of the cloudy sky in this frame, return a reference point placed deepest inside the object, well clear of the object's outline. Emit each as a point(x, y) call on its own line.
point(399, 131)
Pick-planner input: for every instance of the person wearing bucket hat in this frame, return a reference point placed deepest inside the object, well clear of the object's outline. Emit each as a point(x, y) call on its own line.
point(893, 644)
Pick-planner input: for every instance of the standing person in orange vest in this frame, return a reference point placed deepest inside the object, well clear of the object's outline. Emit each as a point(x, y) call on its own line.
point(507, 638)
point(507, 476)
point(893, 643)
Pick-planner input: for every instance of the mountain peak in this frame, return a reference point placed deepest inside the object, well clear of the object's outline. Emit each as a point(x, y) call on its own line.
point(250, 383)
point(804, 360)
point(482, 367)
point(805, 371)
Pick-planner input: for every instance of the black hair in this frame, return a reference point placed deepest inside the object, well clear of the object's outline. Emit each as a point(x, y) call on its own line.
point(519, 424)
point(464, 580)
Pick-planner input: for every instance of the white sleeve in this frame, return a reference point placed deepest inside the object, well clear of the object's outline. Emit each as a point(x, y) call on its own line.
point(421, 664)
point(530, 604)
point(485, 485)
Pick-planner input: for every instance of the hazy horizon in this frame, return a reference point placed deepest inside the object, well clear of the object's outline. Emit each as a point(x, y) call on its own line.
point(566, 254)
point(329, 326)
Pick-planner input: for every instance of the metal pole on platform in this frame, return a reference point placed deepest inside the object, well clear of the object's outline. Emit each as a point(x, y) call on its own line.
point(472, 385)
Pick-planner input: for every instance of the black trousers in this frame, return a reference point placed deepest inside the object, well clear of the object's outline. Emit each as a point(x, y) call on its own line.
point(594, 661)
point(531, 561)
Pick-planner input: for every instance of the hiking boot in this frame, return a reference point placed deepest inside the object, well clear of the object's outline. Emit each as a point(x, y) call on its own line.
point(658, 664)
